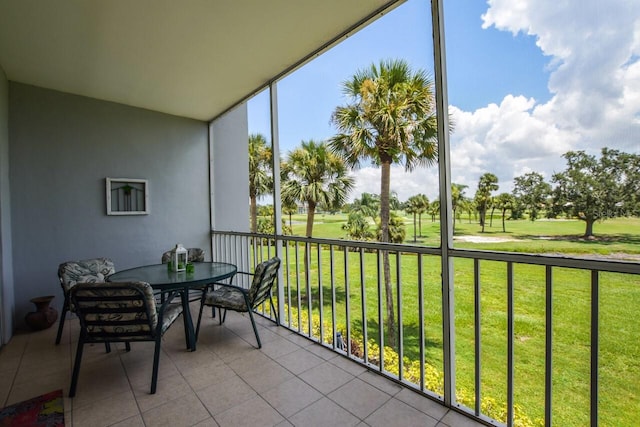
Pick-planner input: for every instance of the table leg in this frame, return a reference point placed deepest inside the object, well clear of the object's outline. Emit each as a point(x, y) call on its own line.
point(189, 333)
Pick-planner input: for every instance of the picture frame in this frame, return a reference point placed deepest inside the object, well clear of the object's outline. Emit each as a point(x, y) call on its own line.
point(127, 196)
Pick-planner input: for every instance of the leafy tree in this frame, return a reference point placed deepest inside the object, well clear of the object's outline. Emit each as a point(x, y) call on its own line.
point(487, 184)
point(504, 202)
point(594, 189)
point(260, 176)
point(390, 118)
point(531, 190)
point(315, 175)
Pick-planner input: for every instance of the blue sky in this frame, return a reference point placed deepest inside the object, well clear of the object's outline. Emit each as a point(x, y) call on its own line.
point(520, 85)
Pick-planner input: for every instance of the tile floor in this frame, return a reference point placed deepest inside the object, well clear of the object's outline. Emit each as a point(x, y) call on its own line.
point(226, 382)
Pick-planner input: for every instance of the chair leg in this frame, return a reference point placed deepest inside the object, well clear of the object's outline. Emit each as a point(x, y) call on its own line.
point(76, 369)
point(127, 346)
point(200, 314)
point(156, 362)
point(274, 311)
point(223, 317)
point(63, 316)
point(255, 328)
point(107, 347)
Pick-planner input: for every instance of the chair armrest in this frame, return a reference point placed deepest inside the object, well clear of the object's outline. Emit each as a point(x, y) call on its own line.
point(239, 288)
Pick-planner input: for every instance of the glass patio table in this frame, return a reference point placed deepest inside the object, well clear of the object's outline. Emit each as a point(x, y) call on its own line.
point(164, 280)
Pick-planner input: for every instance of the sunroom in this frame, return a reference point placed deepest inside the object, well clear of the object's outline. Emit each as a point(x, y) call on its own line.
point(166, 94)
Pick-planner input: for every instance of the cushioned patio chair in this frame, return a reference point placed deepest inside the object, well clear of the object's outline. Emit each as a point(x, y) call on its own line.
point(120, 312)
point(94, 270)
point(193, 255)
point(236, 298)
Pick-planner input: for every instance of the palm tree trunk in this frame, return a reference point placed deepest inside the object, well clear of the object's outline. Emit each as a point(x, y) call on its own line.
point(311, 213)
point(504, 211)
point(385, 181)
point(414, 228)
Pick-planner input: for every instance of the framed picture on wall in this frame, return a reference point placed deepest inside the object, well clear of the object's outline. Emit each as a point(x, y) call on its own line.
point(127, 196)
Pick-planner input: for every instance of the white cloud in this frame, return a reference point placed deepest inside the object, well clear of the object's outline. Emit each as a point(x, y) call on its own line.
point(594, 78)
point(594, 48)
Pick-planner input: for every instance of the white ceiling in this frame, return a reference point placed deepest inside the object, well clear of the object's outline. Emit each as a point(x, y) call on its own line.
point(191, 58)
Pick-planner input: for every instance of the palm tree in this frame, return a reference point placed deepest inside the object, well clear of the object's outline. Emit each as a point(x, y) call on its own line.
point(368, 205)
point(412, 207)
point(422, 202)
point(389, 119)
point(357, 227)
point(260, 177)
point(457, 198)
point(315, 175)
point(486, 185)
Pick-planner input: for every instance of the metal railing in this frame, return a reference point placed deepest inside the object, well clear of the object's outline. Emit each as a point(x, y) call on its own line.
point(334, 292)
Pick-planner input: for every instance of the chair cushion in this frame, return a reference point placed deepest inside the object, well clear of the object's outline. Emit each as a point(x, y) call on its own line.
point(88, 271)
point(226, 297)
point(171, 313)
point(145, 329)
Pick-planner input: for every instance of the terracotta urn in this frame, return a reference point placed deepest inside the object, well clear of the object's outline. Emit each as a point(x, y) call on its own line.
point(44, 316)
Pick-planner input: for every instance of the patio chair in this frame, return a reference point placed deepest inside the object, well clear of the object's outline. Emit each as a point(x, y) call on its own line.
point(121, 312)
point(194, 255)
point(93, 270)
point(236, 298)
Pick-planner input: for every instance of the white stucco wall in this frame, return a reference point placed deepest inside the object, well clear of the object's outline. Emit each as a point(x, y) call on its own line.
point(230, 173)
point(62, 147)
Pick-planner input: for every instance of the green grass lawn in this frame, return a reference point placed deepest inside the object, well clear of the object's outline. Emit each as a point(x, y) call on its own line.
point(619, 312)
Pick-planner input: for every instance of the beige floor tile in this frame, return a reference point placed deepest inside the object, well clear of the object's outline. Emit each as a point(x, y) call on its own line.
point(291, 396)
point(249, 362)
point(139, 374)
point(324, 413)
point(254, 412)
point(209, 374)
point(100, 380)
point(381, 382)
point(359, 398)
point(185, 411)
point(279, 347)
point(322, 352)
point(105, 412)
point(135, 421)
point(421, 403)
point(168, 389)
point(326, 377)
point(299, 339)
point(218, 382)
point(209, 422)
point(271, 375)
point(351, 366)
point(189, 362)
point(300, 361)
point(44, 384)
point(397, 413)
point(225, 394)
point(455, 419)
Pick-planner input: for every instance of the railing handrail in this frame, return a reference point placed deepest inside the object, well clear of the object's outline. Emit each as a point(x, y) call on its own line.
point(583, 263)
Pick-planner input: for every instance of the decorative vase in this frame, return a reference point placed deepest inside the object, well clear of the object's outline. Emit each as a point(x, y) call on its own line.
point(44, 316)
